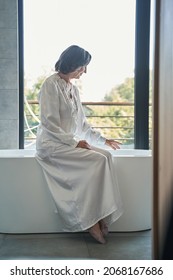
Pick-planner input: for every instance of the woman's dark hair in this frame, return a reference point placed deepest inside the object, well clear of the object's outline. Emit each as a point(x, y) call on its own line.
point(71, 59)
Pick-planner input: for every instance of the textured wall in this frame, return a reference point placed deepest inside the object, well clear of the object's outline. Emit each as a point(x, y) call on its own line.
point(8, 75)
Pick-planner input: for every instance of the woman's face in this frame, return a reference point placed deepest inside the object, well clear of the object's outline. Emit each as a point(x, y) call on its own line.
point(78, 72)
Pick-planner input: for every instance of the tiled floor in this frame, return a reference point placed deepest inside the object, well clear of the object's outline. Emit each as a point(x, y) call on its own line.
point(119, 246)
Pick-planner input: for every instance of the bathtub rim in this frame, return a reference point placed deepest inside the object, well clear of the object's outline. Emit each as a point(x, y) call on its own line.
point(27, 153)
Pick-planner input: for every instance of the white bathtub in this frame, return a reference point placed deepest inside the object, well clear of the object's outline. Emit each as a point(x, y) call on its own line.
point(26, 205)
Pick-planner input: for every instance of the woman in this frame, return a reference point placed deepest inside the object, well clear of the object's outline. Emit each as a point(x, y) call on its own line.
point(80, 176)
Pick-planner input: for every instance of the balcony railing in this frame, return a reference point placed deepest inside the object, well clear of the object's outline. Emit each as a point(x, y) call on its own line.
point(117, 123)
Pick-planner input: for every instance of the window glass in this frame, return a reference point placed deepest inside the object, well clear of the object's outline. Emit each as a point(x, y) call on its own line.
point(107, 30)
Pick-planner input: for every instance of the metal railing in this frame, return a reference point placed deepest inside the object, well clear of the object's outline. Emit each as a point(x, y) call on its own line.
point(106, 123)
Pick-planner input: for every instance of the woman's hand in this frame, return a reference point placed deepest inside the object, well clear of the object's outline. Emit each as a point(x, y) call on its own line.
point(83, 144)
point(113, 144)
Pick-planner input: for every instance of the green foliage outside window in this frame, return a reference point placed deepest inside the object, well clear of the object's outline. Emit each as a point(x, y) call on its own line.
point(118, 120)
point(115, 121)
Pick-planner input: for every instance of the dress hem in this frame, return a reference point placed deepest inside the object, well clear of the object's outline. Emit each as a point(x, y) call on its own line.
point(106, 216)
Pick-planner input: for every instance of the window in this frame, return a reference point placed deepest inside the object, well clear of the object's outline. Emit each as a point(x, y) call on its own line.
point(107, 30)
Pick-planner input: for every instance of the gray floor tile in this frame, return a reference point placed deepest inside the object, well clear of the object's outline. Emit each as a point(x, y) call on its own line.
point(41, 235)
point(51, 247)
point(133, 233)
point(120, 248)
point(2, 236)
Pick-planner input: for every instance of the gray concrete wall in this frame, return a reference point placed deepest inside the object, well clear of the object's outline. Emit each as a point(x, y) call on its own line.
point(8, 75)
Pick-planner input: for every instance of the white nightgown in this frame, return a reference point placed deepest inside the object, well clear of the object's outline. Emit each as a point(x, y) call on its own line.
point(82, 182)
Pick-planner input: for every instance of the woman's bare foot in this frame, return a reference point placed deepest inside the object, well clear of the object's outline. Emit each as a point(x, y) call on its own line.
point(103, 227)
point(97, 234)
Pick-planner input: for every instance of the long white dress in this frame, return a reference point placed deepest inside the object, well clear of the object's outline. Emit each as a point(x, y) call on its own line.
point(82, 182)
